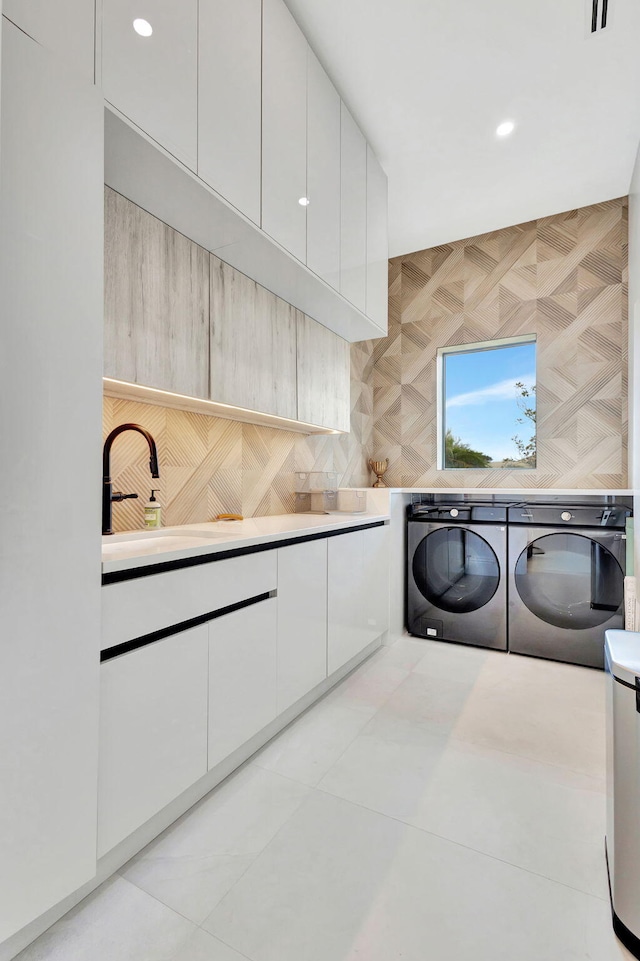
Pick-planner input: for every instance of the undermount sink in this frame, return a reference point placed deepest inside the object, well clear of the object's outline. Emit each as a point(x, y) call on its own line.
point(156, 541)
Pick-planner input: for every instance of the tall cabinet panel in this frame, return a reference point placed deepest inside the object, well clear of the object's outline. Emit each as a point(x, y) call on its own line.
point(323, 175)
point(353, 220)
point(324, 385)
point(253, 344)
point(156, 302)
point(51, 175)
point(229, 100)
point(153, 80)
point(284, 129)
point(377, 243)
point(66, 27)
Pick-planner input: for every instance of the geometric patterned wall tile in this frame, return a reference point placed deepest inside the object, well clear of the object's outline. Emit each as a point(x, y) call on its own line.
point(562, 278)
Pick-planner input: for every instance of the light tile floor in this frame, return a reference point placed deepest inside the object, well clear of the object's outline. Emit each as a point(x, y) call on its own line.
point(443, 803)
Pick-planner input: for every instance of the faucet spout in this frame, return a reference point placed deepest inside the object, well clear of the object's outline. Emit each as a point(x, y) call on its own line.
point(107, 487)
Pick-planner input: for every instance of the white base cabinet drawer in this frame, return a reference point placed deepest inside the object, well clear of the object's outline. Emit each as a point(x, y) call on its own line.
point(141, 606)
point(153, 731)
point(302, 620)
point(242, 676)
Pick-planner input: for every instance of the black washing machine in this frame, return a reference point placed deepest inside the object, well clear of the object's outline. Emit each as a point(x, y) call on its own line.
point(456, 572)
point(566, 580)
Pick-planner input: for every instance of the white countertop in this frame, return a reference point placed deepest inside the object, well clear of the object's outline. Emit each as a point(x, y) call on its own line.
point(132, 549)
point(520, 491)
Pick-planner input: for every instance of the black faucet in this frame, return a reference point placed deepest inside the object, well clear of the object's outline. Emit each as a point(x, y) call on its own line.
point(107, 488)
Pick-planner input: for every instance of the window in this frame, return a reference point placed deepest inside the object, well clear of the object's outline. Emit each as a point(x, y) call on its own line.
point(487, 405)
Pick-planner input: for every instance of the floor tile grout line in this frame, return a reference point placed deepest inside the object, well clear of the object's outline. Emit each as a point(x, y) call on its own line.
point(459, 844)
point(260, 855)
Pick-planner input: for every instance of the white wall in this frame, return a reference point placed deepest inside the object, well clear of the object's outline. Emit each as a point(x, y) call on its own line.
point(634, 348)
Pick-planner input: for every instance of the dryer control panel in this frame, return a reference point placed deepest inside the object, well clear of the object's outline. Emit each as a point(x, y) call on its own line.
point(572, 515)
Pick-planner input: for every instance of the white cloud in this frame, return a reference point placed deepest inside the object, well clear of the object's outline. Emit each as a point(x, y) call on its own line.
point(503, 390)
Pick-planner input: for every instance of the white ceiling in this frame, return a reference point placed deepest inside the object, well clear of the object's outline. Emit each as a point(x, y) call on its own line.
point(429, 81)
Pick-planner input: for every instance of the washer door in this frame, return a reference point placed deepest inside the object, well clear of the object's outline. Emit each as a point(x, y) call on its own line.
point(456, 570)
point(569, 580)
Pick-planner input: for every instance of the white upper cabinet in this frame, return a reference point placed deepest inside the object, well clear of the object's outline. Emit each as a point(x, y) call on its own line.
point(353, 217)
point(66, 27)
point(323, 175)
point(229, 100)
point(284, 129)
point(153, 80)
point(377, 243)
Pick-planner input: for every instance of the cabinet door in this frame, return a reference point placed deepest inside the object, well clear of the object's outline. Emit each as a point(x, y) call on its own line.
point(284, 128)
point(51, 165)
point(229, 100)
point(377, 243)
point(346, 635)
point(156, 302)
point(153, 80)
point(353, 215)
point(66, 27)
point(242, 677)
point(375, 581)
point(302, 620)
point(324, 385)
point(153, 731)
point(253, 344)
point(323, 175)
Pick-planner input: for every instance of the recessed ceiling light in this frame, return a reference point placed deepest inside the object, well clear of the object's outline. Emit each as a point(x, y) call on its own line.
point(143, 27)
point(304, 201)
point(505, 128)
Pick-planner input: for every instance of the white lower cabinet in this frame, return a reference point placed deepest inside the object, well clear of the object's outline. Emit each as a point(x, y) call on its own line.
point(153, 731)
point(358, 593)
point(302, 620)
point(375, 580)
point(242, 676)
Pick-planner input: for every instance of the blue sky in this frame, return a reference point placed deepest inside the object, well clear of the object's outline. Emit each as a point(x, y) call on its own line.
point(480, 397)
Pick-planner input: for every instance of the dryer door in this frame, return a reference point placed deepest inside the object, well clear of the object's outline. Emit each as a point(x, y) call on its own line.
point(456, 570)
point(569, 580)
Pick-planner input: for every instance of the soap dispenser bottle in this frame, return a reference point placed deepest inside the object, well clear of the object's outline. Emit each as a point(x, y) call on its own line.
point(152, 512)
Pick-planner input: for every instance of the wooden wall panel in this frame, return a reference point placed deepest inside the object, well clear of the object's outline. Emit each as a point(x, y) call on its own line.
point(156, 302)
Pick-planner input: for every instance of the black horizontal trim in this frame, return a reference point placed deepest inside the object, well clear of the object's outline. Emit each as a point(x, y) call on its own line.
point(628, 938)
point(624, 683)
point(622, 932)
point(127, 646)
point(147, 570)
